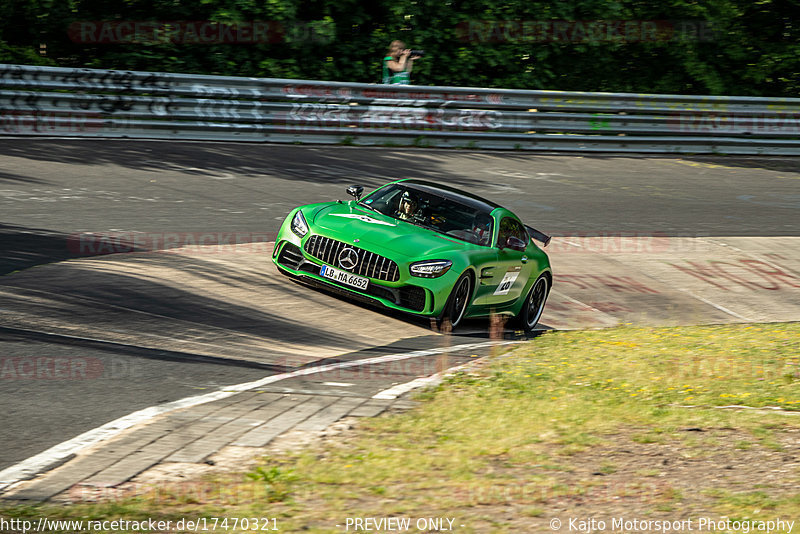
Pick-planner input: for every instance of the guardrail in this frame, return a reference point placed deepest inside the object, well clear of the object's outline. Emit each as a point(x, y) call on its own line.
point(53, 101)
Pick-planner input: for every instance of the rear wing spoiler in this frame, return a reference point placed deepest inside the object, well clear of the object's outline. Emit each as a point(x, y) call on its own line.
point(544, 239)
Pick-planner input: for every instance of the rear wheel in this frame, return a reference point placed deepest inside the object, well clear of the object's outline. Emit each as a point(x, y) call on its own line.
point(534, 303)
point(457, 303)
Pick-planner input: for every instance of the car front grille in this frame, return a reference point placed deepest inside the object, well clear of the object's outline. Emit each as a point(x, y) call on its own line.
point(369, 264)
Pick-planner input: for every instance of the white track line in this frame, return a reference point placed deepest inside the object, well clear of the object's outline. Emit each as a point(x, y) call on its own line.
point(58, 453)
point(395, 391)
point(717, 306)
point(400, 389)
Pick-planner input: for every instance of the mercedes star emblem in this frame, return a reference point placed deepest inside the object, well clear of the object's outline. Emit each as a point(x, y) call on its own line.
point(348, 258)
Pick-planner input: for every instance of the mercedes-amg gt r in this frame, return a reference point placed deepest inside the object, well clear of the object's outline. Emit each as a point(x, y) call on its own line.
point(421, 248)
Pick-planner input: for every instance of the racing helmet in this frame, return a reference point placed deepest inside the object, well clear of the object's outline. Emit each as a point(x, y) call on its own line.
point(482, 221)
point(482, 227)
point(407, 199)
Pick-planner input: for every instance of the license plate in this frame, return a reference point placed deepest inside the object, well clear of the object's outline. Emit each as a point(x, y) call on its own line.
point(343, 277)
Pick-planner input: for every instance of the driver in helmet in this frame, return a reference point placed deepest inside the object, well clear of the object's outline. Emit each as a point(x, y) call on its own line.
point(407, 209)
point(482, 229)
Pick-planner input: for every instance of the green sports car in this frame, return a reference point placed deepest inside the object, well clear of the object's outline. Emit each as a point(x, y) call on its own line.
point(421, 248)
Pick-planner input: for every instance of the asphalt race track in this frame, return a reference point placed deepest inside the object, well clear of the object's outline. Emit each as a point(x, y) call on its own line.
point(181, 323)
point(64, 186)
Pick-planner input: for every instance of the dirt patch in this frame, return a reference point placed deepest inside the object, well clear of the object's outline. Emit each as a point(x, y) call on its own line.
point(679, 474)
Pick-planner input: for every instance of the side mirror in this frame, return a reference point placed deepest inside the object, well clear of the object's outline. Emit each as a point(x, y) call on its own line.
point(355, 191)
point(515, 243)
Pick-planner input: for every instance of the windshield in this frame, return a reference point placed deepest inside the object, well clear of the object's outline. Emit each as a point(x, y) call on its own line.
point(426, 209)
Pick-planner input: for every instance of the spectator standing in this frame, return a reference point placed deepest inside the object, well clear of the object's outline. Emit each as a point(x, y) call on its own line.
point(397, 64)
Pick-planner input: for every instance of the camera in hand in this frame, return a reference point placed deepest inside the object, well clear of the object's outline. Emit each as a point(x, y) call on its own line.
point(417, 53)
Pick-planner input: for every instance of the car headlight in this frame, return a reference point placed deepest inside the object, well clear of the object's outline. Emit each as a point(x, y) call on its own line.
point(299, 225)
point(430, 268)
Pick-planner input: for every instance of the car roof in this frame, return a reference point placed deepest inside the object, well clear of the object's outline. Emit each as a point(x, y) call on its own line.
point(468, 199)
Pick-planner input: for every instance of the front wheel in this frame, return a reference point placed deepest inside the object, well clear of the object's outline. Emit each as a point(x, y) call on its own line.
point(534, 303)
point(457, 303)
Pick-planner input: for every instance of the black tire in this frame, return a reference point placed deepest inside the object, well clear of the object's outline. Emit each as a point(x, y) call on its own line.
point(533, 307)
point(457, 303)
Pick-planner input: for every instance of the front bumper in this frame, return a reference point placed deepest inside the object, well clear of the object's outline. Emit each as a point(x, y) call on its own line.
point(410, 298)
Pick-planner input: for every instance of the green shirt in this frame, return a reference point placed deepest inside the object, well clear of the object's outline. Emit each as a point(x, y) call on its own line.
point(391, 77)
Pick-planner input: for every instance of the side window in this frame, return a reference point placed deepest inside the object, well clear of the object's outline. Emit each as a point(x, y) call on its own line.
point(511, 227)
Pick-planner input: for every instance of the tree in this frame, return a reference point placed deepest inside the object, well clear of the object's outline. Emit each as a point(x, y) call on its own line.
point(678, 46)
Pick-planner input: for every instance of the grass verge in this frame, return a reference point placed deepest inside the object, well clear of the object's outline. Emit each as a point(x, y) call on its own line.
point(649, 423)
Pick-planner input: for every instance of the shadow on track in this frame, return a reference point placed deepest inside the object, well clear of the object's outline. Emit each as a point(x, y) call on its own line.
point(242, 159)
point(22, 248)
point(120, 298)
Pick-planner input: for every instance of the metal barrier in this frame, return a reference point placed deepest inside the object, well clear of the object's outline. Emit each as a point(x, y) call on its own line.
point(53, 101)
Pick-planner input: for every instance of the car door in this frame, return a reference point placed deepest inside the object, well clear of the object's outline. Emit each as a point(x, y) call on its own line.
point(513, 268)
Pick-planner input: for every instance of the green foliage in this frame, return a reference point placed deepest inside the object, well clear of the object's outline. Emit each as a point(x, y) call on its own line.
point(277, 482)
point(742, 48)
point(21, 55)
